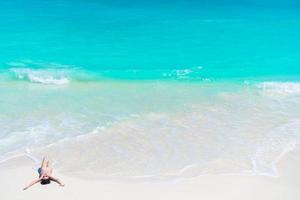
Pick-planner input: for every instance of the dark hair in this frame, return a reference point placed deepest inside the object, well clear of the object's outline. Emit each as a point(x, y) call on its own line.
point(45, 181)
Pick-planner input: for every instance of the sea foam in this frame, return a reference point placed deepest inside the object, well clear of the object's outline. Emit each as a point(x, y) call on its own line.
point(280, 88)
point(40, 76)
point(153, 130)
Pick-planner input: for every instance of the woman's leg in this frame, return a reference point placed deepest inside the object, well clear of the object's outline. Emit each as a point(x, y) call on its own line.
point(43, 165)
point(42, 168)
point(49, 167)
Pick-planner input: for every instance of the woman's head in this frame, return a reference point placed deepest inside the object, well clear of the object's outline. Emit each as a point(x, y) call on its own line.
point(45, 181)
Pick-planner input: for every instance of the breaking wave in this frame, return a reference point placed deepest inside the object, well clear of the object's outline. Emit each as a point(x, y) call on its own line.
point(40, 76)
point(280, 88)
point(59, 74)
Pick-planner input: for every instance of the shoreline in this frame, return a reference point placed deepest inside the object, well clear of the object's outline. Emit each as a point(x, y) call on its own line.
point(16, 175)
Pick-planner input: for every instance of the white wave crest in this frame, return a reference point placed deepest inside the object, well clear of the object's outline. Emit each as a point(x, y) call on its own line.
point(183, 73)
point(48, 80)
point(40, 76)
point(280, 88)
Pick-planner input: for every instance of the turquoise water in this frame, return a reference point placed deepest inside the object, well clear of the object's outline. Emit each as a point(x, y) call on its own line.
point(115, 40)
point(161, 89)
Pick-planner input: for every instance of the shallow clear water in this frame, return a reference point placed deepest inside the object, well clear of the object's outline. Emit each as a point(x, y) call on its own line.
point(161, 90)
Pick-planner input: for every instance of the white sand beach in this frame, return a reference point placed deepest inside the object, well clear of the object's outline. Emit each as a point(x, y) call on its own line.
point(15, 174)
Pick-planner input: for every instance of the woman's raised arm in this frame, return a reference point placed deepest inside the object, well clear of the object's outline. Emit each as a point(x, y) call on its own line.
point(32, 183)
point(57, 181)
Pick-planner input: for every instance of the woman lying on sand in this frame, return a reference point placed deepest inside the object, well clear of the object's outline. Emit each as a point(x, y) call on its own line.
point(45, 175)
